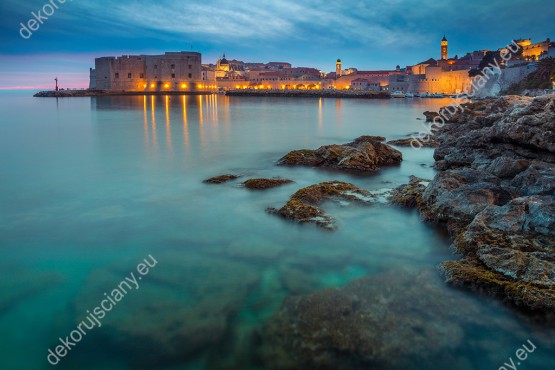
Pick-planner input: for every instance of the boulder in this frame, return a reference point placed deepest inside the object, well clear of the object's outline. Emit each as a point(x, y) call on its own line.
point(304, 205)
point(377, 322)
point(221, 179)
point(262, 184)
point(409, 195)
point(365, 154)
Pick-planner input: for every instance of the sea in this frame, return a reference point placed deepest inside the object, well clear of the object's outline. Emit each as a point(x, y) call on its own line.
point(91, 188)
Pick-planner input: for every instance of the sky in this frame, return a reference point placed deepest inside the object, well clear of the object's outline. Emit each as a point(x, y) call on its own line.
point(368, 35)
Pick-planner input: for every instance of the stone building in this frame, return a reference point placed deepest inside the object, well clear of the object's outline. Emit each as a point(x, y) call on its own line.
point(535, 51)
point(173, 71)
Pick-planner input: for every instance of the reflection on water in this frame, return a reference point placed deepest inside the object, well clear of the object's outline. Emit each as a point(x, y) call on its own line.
point(86, 192)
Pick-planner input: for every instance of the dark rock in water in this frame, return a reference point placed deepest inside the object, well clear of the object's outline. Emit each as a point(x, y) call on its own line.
point(415, 142)
point(495, 192)
point(304, 205)
point(379, 322)
point(430, 115)
point(409, 195)
point(221, 179)
point(20, 283)
point(365, 154)
point(184, 306)
point(261, 184)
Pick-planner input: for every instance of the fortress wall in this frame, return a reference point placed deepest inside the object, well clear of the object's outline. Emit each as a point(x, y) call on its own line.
point(147, 72)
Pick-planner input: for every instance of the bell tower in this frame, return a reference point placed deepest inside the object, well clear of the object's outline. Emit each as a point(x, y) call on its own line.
point(338, 68)
point(444, 49)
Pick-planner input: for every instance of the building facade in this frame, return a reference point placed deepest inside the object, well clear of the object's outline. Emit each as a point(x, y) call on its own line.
point(172, 71)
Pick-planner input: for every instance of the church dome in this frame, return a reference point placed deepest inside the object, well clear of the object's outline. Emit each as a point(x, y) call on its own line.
point(444, 39)
point(224, 61)
point(338, 60)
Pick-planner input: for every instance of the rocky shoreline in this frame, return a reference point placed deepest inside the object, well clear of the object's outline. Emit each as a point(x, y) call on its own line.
point(495, 195)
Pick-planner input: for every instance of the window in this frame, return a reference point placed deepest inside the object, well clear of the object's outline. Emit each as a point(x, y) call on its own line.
point(173, 75)
point(117, 75)
point(190, 66)
point(156, 66)
point(173, 66)
point(142, 75)
point(129, 75)
point(190, 75)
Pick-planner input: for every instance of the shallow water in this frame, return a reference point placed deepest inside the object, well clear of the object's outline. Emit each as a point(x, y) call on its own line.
point(89, 187)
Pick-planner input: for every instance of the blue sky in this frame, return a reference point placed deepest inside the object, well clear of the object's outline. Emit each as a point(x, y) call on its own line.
point(370, 34)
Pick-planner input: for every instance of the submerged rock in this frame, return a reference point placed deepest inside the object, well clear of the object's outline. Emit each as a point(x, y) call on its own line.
point(495, 192)
point(21, 283)
point(389, 321)
point(262, 184)
point(304, 205)
point(221, 179)
point(183, 308)
point(409, 195)
point(365, 154)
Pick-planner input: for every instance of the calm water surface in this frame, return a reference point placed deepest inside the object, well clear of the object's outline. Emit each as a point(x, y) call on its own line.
point(89, 187)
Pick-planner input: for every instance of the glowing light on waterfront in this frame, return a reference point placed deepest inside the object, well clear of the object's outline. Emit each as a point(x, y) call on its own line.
point(168, 127)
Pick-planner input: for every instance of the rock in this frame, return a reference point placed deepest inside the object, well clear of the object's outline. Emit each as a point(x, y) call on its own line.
point(516, 241)
point(409, 195)
point(507, 167)
point(183, 308)
point(365, 154)
point(378, 322)
point(495, 192)
point(455, 197)
point(303, 206)
point(537, 179)
point(21, 283)
point(471, 274)
point(261, 184)
point(416, 142)
point(430, 115)
point(296, 281)
point(221, 179)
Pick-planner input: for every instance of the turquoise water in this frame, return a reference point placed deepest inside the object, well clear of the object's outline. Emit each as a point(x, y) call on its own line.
point(89, 187)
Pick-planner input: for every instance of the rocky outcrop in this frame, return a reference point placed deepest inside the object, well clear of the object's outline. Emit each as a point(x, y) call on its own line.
point(221, 179)
point(495, 193)
point(409, 195)
point(365, 154)
point(304, 205)
point(378, 322)
point(262, 184)
point(430, 115)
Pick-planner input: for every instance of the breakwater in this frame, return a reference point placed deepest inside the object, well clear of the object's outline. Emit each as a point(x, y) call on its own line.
point(84, 93)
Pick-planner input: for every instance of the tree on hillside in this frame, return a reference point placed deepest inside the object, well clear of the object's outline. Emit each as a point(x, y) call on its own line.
point(491, 58)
